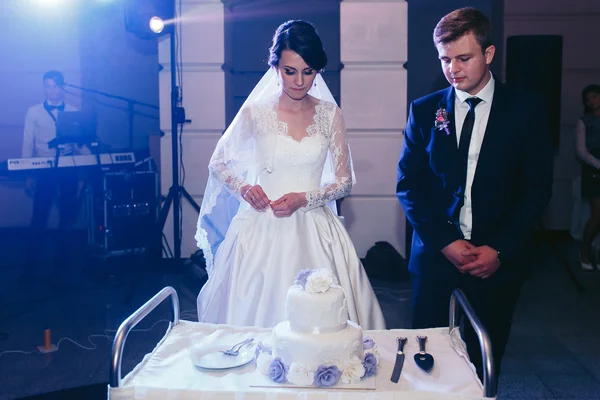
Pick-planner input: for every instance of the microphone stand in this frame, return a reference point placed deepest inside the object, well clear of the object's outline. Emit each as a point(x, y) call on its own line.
point(131, 103)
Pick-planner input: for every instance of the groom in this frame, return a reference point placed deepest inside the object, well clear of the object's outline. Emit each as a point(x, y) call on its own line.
point(474, 176)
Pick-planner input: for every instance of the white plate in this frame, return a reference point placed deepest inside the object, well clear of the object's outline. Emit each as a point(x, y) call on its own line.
point(218, 360)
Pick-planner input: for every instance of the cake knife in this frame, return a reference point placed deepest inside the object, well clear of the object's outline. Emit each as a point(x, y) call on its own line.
point(399, 360)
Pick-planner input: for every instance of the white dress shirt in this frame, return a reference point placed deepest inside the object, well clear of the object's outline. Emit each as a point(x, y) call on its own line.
point(482, 114)
point(40, 129)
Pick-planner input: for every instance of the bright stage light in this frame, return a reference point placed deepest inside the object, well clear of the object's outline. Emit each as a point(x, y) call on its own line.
point(157, 24)
point(51, 3)
point(148, 19)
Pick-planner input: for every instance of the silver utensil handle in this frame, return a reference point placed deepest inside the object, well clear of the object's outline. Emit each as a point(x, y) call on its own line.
point(241, 344)
point(401, 342)
point(421, 340)
point(489, 372)
point(135, 318)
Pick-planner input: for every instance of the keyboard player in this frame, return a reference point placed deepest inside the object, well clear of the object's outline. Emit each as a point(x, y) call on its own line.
point(50, 185)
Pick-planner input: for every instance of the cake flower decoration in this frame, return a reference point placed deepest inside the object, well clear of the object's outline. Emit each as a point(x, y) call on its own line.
point(300, 375)
point(319, 281)
point(368, 343)
point(302, 276)
point(353, 370)
point(278, 371)
point(370, 365)
point(327, 376)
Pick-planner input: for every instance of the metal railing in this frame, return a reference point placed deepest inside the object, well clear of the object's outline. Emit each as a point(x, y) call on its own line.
point(489, 373)
point(131, 322)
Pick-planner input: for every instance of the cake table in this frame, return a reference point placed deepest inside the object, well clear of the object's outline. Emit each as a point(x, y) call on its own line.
point(168, 372)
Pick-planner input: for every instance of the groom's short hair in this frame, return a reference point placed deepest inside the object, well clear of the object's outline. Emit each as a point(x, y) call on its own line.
point(461, 22)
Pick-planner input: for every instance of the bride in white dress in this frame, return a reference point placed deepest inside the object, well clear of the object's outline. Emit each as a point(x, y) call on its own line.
point(269, 206)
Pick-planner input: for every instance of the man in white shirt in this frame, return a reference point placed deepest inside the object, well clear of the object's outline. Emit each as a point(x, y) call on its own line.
point(49, 185)
point(40, 120)
point(474, 176)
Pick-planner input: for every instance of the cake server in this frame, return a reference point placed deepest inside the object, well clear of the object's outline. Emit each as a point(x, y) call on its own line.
point(423, 359)
point(399, 360)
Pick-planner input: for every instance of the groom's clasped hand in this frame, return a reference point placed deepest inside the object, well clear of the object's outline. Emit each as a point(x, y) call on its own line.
point(481, 261)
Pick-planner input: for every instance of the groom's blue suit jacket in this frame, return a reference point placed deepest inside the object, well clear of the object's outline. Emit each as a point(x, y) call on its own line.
point(511, 187)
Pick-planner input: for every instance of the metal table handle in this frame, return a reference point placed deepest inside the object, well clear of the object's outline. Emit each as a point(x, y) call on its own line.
point(489, 373)
point(131, 322)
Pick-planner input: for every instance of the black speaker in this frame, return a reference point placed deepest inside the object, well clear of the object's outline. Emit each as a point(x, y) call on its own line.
point(126, 212)
point(534, 62)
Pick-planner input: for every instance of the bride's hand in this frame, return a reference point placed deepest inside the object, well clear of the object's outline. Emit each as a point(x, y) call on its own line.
point(255, 196)
point(288, 204)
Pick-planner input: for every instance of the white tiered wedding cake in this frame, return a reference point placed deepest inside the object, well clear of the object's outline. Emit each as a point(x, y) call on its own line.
point(317, 344)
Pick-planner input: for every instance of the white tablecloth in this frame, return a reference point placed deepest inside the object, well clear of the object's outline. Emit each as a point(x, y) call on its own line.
point(168, 373)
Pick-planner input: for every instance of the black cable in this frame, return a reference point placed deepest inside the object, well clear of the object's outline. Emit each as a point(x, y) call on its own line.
point(180, 53)
point(179, 68)
point(181, 177)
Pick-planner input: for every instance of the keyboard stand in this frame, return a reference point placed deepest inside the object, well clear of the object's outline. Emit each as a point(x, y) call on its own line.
point(59, 143)
point(57, 156)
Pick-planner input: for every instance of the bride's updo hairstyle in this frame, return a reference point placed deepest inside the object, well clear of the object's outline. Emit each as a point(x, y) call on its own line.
point(302, 38)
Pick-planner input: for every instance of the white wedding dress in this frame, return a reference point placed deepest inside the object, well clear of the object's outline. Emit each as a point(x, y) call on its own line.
point(261, 254)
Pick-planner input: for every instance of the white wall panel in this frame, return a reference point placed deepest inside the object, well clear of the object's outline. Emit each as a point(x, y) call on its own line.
point(375, 158)
point(371, 219)
point(374, 31)
point(373, 96)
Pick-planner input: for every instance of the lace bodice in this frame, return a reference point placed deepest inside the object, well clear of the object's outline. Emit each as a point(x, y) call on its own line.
point(286, 164)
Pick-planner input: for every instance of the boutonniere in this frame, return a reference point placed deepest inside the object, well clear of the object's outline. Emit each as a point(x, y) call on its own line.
point(441, 120)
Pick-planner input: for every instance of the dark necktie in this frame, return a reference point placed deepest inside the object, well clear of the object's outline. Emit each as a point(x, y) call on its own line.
point(465, 141)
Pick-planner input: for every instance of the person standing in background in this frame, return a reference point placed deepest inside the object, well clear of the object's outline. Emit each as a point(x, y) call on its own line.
point(588, 152)
point(61, 184)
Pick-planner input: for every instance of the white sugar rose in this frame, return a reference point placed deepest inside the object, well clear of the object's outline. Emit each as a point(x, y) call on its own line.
point(263, 361)
point(268, 342)
point(353, 371)
point(300, 375)
point(319, 281)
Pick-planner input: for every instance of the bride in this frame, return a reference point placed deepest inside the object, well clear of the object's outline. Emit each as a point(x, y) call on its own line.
point(269, 206)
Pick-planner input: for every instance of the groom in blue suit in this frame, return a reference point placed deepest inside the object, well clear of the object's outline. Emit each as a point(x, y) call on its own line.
point(474, 177)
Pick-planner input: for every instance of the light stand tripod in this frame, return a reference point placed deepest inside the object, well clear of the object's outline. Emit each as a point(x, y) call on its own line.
point(176, 190)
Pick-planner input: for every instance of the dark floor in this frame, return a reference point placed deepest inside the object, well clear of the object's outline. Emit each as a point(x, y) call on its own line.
point(554, 351)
